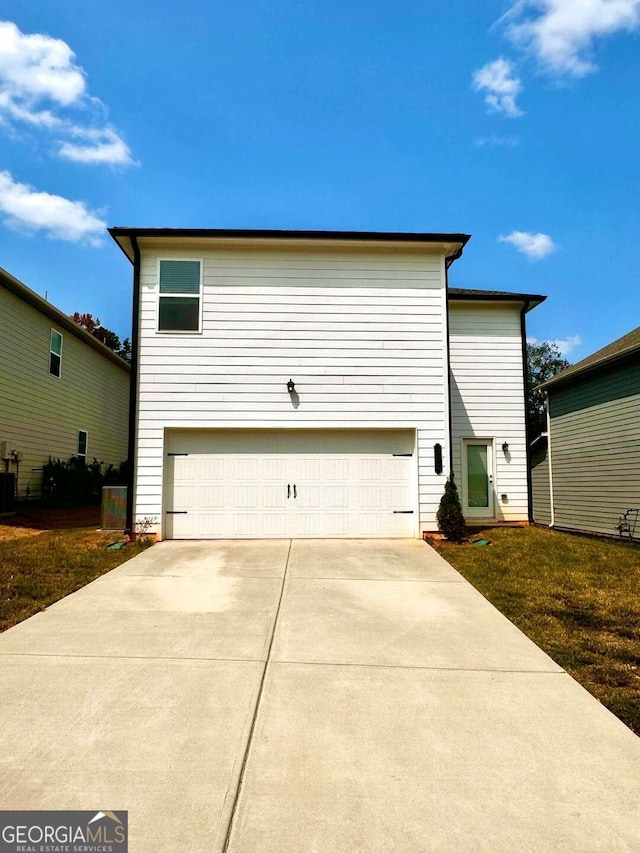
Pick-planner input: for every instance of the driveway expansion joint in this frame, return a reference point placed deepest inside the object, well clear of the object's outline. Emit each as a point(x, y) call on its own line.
point(256, 708)
point(427, 668)
point(377, 580)
point(127, 657)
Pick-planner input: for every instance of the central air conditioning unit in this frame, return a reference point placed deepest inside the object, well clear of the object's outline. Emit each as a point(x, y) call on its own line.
point(114, 507)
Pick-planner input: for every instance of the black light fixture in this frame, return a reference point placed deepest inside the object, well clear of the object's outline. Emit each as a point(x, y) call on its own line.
point(505, 447)
point(291, 387)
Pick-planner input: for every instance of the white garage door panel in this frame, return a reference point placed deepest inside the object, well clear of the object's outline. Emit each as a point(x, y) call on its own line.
point(342, 492)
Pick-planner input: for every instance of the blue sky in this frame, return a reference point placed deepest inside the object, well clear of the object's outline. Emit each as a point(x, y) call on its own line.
point(518, 122)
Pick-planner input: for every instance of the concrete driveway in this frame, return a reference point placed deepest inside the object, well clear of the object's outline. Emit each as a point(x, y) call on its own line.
point(308, 697)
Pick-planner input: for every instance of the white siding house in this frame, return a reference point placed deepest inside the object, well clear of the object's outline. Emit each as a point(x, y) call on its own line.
point(225, 322)
point(488, 423)
point(62, 392)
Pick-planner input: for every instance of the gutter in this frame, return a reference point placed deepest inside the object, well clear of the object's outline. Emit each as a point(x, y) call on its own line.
point(523, 336)
point(133, 387)
point(284, 234)
point(451, 258)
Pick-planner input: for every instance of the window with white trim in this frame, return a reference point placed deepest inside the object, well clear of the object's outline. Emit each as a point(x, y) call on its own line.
point(179, 296)
point(55, 353)
point(83, 440)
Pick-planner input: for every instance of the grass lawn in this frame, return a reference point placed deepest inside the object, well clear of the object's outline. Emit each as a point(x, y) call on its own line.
point(39, 567)
point(578, 598)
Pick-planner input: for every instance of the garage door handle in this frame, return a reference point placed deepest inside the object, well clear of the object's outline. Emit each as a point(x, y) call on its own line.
point(403, 512)
point(176, 512)
point(295, 493)
point(288, 490)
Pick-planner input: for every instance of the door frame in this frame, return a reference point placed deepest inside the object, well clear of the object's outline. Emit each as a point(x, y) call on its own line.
point(479, 512)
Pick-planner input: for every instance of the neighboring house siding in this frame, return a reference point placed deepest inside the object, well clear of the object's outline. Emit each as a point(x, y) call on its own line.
point(540, 485)
point(595, 448)
point(40, 415)
point(487, 396)
point(361, 331)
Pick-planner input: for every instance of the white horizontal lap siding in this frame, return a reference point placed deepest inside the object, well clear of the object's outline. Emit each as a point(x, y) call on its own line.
point(487, 395)
point(360, 332)
point(40, 414)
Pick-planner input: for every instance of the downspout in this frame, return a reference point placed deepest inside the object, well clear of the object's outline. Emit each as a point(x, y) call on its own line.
point(447, 264)
point(553, 513)
point(523, 336)
point(133, 388)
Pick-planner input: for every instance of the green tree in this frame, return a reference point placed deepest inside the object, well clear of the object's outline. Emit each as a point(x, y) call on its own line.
point(125, 350)
point(92, 325)
point(450, 518)
point(544, 360)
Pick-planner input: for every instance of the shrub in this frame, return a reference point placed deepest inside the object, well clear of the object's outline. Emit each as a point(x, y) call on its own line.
point(450, 518)
point(117, 475)
point(76, 482)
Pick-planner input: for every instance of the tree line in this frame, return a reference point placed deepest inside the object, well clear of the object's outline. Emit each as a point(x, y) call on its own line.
point(93, 325)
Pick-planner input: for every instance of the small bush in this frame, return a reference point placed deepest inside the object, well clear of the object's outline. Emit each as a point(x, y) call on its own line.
point(78, 483)
point(450, 518)
point(117, 475)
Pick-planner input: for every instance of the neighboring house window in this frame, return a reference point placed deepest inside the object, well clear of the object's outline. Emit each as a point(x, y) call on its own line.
point(55, 353)
point(83, 437)
point(180, 296)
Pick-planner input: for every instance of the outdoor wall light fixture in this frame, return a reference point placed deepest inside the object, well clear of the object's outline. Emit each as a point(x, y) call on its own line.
point(291, 386)
point(505, 447)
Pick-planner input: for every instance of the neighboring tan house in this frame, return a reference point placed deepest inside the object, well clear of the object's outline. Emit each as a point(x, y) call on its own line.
point(586, 472)
point(319, 384)
point(62, 392)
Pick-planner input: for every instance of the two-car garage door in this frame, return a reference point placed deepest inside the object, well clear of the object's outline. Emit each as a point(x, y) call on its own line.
point(289, 483)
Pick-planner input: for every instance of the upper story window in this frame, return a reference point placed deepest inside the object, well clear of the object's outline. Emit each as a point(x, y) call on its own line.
point(180, 296)
point(83, 439)
point(55, 353)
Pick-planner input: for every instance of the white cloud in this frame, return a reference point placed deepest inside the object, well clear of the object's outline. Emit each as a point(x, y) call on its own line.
point(42, 87)
point(534, 246)
point(105, 146)
point(39, 118)
point(499, 141)
point(38, 66)
point(561, 33)
point(565, 345)
point(496, 79)
point(27, 209)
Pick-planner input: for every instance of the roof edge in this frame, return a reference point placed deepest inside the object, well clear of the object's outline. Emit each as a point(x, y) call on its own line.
point(531, 300)
point(120, 232)
point(573, 371)
point(36, 301)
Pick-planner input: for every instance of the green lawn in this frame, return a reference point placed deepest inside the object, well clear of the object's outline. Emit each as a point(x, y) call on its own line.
point(578, 598)
point(37, 568)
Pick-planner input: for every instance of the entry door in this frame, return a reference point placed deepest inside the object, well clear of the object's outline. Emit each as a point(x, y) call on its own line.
point(478, 478)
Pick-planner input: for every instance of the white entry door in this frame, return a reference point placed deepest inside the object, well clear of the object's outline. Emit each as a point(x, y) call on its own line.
point(286, 483)
point(478, 490)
